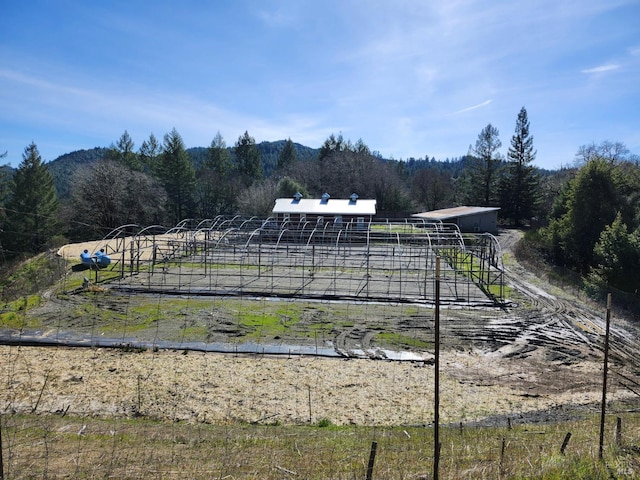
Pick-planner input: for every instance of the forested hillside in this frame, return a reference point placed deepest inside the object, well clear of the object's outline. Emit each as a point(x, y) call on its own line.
point(64, 167)
point(585, 218)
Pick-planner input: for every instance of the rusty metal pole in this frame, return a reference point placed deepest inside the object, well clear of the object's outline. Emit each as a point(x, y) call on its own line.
point(604, 377)
point(436, 397)
point(1, 453)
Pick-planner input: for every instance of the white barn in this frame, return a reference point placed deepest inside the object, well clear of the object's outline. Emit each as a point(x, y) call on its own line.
point(338, 211)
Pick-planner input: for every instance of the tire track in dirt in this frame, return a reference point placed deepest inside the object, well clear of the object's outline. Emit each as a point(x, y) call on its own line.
point(564, 324)
point(355, 342)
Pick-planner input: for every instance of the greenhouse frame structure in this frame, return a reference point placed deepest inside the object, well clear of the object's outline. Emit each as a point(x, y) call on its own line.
point(388, 261)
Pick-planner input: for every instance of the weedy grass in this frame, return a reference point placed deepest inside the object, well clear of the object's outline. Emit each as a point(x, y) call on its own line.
point(56, 446)
point(396, 339)
point(13, 314)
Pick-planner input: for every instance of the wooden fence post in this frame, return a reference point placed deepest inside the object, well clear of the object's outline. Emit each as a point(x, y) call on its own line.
point(567, 437)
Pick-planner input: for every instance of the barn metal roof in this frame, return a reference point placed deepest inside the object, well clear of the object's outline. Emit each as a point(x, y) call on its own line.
point(330, 206)
point(455, 212)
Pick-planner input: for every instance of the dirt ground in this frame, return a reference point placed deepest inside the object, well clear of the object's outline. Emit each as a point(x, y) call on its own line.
point(539, 359)
point(299, 389)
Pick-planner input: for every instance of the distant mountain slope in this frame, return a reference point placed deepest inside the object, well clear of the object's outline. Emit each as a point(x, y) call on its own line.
point(269, 153)
point(63, 167)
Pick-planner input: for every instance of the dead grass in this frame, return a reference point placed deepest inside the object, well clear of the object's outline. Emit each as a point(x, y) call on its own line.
point(209, 387)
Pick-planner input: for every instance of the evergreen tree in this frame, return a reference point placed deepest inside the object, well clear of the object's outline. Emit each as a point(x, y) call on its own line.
point(33, 207)
point(483, 166)
point(331, 145)
point(5, 188)
point(361, 147)
point(177, 175)
point(218, 157)
point(288, 156)
point(617, 257)
point(520, 183)
point(248, 159)
point(288, 187)
point(148, 154)
point(214, 189)
point(592, 199)
point(123, 153)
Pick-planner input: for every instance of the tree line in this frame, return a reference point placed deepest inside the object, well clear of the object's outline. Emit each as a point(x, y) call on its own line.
point(579, 214)
point(593, 225)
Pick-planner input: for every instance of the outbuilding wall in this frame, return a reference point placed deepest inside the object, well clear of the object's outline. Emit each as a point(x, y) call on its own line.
point(479, 222)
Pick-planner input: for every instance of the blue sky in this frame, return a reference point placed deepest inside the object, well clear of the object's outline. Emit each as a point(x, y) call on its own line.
point(411, 78)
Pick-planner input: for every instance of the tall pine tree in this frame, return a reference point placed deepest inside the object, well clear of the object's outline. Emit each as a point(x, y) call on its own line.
point(33, 206)
point(288, 156)
point(123, 153)
point(482, 171)
point(148, 154)
point(214, 186)
point(177, 175)
point(520, 182)
point(248, 159)
point(218, 157)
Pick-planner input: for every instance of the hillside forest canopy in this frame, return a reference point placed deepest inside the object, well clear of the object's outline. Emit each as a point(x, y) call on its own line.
point(584, 217)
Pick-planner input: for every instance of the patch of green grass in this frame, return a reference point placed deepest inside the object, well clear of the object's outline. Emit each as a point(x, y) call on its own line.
point(13, 320)
point(33, 301)
point(148, 312)
point(505, 292)
point(410, 311)
point(559, 467)
point(395, 339)
point(105, 318)
point(315, 328)
point(264, 323)
point(76, 280)
point(469, 265)
point(395, 228)
point(14, 313)
point(73, 282)
point(324, 423)
point(195, 333)
point(25, 303)
point(31, 275)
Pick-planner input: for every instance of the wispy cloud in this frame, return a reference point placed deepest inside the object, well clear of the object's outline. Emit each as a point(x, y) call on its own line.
point(110, 112)
point(474, 107)
point(601, 68)
point(35, 82)
point(410, 77)
point(276, 18)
